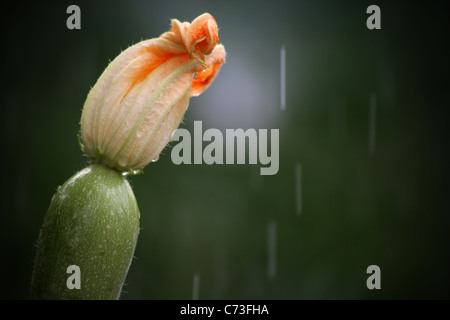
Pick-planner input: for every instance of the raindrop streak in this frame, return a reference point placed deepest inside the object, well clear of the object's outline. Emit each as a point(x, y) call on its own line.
point(271, 248)
point(195, 286)
point(298, 188)
point(372, 117)
point(283, 78)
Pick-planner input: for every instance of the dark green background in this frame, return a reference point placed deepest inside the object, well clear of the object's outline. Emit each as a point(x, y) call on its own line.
point(389, 208)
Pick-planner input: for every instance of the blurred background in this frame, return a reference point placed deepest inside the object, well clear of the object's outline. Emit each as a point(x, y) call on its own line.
point(363, 177)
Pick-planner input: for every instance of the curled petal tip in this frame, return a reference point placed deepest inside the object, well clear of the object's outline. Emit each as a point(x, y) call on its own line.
point(205, 77)
point(203, 34)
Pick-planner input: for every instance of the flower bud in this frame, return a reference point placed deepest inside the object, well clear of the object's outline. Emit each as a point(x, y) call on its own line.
point(141, 97)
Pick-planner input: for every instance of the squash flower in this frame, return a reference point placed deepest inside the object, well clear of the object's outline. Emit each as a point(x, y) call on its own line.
point(142, 96)
point(90, 231)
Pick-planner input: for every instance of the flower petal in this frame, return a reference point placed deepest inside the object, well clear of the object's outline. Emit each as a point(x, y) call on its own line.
point(146, 107)
point(206, 76)
point(203, 34)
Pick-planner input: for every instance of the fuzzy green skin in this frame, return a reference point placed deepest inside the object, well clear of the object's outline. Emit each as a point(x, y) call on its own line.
point(92, 222)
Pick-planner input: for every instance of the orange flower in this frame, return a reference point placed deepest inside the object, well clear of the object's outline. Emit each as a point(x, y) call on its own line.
point(141, 97)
